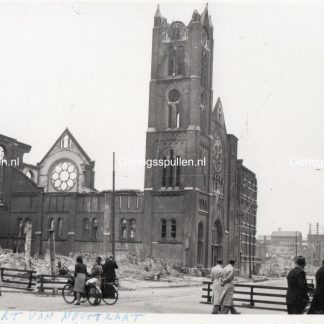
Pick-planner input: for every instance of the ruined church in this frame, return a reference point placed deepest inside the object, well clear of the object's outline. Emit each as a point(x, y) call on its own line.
point(188, 215)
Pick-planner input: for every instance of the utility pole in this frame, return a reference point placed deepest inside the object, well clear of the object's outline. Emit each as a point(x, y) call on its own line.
point(28, 233)
point(113, 210)
point(52, 249)
point(296, 246)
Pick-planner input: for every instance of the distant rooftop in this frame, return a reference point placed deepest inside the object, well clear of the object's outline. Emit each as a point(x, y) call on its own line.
point(286, 233)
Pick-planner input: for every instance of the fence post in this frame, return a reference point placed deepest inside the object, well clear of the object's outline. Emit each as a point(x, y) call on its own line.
point(41, 288)
point(209, 298)
point(30, 279)
point(251, 298)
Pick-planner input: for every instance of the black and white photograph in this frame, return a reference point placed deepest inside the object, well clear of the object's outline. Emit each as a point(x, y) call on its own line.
point(161, 161)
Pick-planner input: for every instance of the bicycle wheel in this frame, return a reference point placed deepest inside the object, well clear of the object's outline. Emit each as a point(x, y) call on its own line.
point(68, 294)
point(110, 295)
point(93, 295)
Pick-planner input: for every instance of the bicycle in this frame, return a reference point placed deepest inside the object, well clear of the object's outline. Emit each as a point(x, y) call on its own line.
point(92, 293)
point(109, 292)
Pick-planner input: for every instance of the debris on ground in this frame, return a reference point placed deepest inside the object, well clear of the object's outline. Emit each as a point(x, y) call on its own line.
point(131, 267)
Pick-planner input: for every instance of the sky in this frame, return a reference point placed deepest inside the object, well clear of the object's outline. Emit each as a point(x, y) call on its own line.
point(86, 66)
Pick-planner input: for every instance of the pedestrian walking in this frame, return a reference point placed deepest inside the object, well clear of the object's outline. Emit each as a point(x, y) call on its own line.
point(80, 273)
point(216, 276)
point(297, 293)
point(228, 283)
point(317, 305)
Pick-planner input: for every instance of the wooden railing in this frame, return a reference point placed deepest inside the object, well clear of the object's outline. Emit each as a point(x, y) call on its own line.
point(18, 279)
point(247, 295)
point(28, 280)
point(51, 283)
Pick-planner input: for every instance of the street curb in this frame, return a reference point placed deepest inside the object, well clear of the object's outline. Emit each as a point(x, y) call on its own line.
point(9, 290)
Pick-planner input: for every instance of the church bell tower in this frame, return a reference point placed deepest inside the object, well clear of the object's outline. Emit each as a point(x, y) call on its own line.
point(181, 134)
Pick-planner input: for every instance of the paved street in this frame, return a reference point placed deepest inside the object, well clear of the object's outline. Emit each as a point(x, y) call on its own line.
point(183, 300)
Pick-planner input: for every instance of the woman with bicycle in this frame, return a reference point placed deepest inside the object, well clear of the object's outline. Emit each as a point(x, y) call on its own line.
point(80, 275)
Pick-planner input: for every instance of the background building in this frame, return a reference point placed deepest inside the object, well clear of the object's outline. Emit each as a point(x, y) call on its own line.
point(315, 246)
point(246, 220)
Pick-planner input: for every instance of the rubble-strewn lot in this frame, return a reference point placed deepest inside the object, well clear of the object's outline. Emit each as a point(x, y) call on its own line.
point(131, 268)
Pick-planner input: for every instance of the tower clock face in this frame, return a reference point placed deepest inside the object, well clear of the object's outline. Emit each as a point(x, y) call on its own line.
point(2, 153)
point(217, 153)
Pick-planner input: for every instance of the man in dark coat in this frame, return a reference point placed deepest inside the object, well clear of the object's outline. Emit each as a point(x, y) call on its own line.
point(109, 269)
point(297, 295)
point(317, 305)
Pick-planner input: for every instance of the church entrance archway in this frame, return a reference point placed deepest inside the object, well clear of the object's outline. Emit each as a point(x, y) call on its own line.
point(200, 248)
point(217, 240)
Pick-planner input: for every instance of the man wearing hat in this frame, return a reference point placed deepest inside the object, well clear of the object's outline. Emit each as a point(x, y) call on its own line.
point(297, 295)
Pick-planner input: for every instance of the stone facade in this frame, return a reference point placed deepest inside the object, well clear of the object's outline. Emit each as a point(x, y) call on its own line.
point(186, 213)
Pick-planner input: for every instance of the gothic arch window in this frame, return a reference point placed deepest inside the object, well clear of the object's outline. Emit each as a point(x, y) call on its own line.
point(171, 62)
point(217, 234)
point(51, 224)
point(123, 229)
point(180, 60)
point(177, 119)
point(204, 68)
point(175, 60)
point(20, 227)
point(173, 229)
point(86, 228)
point(66, 142)
point(164, 172)
point(174, 108)
point(171, 170)
point(60, 227)
point(132, 229)
point(200, 248)
point(203, 113)
point(178, 171)
point(95, 229)
point(163, 229)
point(217, 238)
point(220, 114)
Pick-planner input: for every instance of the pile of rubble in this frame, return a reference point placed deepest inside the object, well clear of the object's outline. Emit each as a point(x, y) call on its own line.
point(131, 267)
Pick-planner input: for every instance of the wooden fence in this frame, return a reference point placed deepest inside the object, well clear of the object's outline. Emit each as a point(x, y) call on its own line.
point(255, 296)
point(54, 284)
point(28, 280)
point(18, 279)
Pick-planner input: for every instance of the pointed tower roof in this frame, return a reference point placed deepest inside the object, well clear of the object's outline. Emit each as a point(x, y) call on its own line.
point(158, 12)
point(204, 15)
point(75, 142)
point(218, 114)
point(205, 18)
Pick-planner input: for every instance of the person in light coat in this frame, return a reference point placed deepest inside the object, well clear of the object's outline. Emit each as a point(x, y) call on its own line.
point(228, 283)
point(216, 276)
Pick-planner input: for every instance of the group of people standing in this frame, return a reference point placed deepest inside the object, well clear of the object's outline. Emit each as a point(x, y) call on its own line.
point(297, 294)
point(99, 271)
point(223, 288)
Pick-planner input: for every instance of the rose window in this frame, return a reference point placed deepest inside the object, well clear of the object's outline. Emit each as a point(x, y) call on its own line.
point(64, 176)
